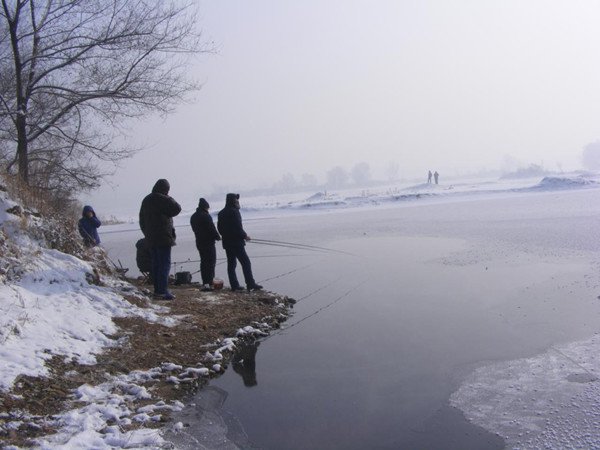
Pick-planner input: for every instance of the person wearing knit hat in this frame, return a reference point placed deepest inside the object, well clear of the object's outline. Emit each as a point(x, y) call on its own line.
point(206, 236)
point(156, 222)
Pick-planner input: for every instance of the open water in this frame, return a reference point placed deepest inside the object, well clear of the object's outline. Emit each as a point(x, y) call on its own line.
point(383, 334)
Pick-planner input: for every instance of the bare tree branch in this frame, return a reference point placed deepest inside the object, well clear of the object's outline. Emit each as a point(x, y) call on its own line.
point(68, 66)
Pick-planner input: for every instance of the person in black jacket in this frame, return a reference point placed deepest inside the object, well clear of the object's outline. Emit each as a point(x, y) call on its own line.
point(156, 221)
point(206, 236)
point(234, 241)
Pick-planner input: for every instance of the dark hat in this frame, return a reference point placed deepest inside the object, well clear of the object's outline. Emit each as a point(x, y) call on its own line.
point(231, 198)
point(203, 204)
point(162, 186)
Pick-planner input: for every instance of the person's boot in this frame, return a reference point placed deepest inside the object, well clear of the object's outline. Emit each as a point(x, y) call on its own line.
point(254, 287)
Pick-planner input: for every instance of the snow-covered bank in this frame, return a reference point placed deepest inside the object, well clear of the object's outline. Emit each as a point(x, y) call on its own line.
point(49, 304)
point(50, 307)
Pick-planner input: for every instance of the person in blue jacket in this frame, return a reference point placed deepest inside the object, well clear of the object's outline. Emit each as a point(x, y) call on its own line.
point(88, 227)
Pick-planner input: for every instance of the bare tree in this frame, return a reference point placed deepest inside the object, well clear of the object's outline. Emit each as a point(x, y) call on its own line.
point(392, 170)
point(590, 157)
point(361, 173)
point(337, 177)
point(287, 183)
point(308, 180)
point(72, 70)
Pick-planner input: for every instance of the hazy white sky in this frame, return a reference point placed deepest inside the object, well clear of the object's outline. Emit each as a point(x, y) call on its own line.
point(301, 86)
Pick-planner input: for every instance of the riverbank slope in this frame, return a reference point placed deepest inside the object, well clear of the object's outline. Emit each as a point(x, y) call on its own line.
point(88, 360)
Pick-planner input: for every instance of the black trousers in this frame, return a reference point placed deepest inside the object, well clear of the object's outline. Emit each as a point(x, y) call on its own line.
point(234, 254)
point(208, 261)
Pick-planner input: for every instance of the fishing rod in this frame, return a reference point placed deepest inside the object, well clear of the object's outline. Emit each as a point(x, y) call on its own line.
point(128, 230)
point(189, 261)
point(299, 246)
point(120, 269)
point(225, 259)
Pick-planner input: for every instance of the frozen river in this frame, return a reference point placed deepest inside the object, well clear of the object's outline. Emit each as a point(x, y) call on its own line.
point(382, 338)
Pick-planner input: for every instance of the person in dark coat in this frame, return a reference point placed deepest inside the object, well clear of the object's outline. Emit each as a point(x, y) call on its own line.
point(206, 236)
point(143, 258)
point(234, 242)
point(156, 222)
point(88, 227)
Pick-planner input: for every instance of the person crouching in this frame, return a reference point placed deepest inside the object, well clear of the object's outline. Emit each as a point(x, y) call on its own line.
point(88, 227)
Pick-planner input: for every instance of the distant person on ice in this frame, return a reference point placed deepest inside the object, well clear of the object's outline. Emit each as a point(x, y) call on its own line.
point(206, 236)
point(436, 175)
point(234, 240)
point(156, 222)
point(88, 227)
point(429, 177)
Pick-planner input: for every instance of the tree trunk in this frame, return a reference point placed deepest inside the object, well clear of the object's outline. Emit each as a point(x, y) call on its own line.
point(21, 116)
point(22, 153)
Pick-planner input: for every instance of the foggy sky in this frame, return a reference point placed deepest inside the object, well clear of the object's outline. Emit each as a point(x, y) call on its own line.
point(301, 86)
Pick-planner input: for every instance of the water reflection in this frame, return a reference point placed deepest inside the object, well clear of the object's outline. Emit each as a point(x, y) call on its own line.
point(244, 363)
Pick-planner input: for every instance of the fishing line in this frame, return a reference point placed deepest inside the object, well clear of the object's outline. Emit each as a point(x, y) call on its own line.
point(288, 246)
point(287, 273)
point(344, 295)
point(574, 362)
point(310, 294)
point(299, 246)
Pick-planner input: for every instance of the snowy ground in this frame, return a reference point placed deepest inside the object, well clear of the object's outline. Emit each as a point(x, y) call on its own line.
point(48, 307)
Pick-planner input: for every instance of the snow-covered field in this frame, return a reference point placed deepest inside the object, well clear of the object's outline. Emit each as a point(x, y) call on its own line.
point(49, 307)
point(395, 194)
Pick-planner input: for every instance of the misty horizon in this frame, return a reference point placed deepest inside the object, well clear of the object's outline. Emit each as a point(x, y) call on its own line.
point(298, 89)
